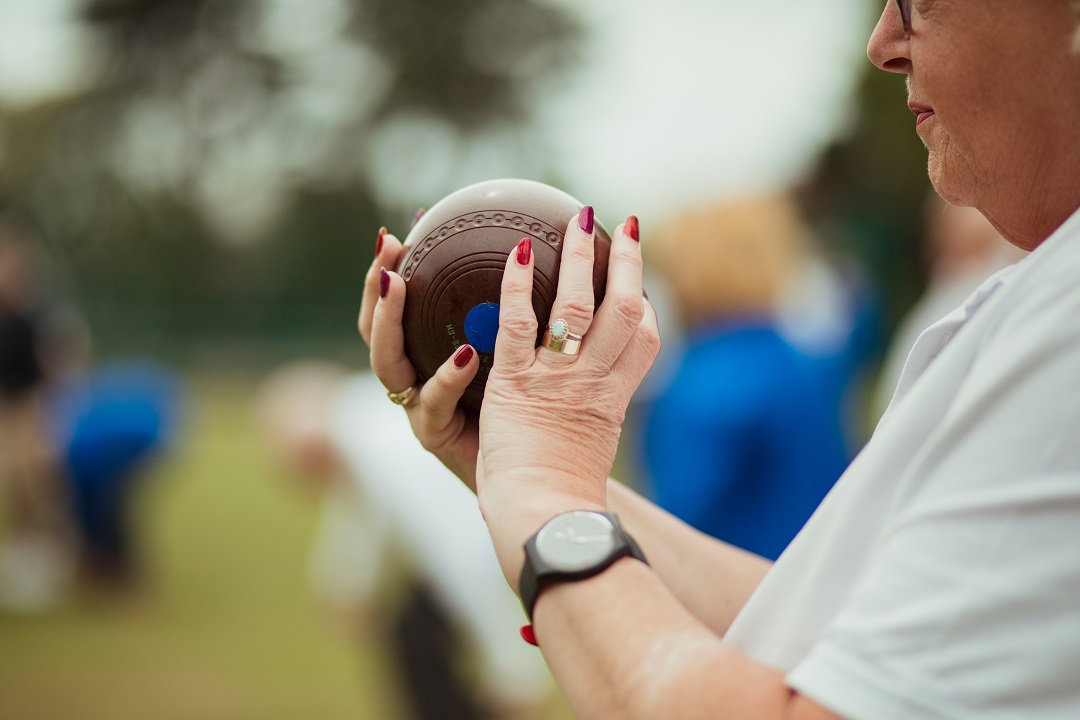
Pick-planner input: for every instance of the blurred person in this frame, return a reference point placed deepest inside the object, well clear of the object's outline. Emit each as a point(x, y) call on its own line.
point(108, 426)
point(350, 545)
point(962, 249)
point(939, 577)
point(382, 496)
point(35, 558)
point(832, 314)
point(746, 439)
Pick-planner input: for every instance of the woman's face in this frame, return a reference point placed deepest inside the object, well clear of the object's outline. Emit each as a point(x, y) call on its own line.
point(994, 89)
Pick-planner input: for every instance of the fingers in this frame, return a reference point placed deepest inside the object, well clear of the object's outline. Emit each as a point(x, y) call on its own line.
point(623, 308)
point(388, 250)
point(388, 360)
point(515, 345)
point(440, 396)
point(574, 298)
point(641, 350)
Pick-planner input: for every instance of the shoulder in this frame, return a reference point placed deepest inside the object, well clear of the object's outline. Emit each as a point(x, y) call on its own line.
point(1039, 312)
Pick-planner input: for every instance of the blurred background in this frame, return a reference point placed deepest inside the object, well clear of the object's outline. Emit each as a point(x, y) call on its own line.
point(190, 192)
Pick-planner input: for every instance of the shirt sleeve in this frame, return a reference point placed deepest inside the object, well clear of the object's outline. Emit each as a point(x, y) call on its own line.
point(969, 606)
point(692, 447)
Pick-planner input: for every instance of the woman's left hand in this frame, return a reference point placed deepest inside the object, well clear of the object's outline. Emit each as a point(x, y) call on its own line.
point(550, 422)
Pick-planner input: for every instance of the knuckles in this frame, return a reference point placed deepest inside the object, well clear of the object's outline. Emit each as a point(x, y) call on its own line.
point(516, 284)
point(580, 251)
point(427, 406)
point(379, 366)
point(649, 338)
point(429, 440)
point(631, 258)
point(629, 309)
point(579, 307)
point(591, 389)
point(518, 325)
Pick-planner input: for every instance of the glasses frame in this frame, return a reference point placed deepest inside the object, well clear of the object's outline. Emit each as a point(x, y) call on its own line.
point(905, 14)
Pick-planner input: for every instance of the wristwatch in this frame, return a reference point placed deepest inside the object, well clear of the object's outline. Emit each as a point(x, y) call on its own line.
point(573, 546)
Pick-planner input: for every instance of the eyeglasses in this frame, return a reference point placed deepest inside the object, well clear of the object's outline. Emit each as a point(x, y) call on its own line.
point(905, 13)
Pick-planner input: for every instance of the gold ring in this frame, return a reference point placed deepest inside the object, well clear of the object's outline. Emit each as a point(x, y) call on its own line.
point(558, 338)
point(403, 398)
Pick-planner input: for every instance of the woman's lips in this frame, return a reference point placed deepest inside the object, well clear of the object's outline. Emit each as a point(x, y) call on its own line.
point(922, 113)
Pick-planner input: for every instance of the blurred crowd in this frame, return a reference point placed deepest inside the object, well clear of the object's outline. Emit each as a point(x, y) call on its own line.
point(384, 498)
point(74, 441)
point(779, 376)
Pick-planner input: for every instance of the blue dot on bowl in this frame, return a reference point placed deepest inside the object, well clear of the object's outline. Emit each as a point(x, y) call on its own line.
point(482, 326)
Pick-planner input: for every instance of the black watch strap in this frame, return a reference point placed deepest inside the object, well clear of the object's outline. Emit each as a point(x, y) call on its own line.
point(535, 577)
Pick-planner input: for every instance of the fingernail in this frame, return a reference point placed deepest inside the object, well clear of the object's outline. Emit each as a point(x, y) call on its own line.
point(384, 282)
point(379, 241)
point(631, 228)
point(585, 219)
point(528, 635)
point(524, 251)
point(464, 355)
point(416, 218)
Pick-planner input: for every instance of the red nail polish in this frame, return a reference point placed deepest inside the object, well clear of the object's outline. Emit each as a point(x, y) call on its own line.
point(585, 219)
point(631, 228)
point(384, 282)
point(524, 251)
point(379, 241)
point(416, 218)
point(528, 635)
point(464, 355)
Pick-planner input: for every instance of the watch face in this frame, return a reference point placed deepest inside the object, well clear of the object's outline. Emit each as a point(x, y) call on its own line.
point(576, 541)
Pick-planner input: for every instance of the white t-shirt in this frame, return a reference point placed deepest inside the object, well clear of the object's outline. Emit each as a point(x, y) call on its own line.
point(941, 296)
point(435, 521)
point(941, 576)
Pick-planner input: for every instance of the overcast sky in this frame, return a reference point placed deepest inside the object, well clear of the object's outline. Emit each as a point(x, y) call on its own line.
point(676, 102)
point(683, 101)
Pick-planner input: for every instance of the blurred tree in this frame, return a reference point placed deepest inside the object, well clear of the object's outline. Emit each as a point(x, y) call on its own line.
point(867, 195)
point(222, 176)
point(225, 172)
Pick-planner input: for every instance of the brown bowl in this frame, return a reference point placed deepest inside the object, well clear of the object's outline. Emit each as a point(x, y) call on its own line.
point(454, 262)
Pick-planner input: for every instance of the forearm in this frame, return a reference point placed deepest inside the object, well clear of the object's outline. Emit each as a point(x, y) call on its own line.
point(711, 579)
point(622, 646)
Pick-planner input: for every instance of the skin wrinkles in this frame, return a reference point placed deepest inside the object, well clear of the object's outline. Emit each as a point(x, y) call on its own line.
point(931, 9)
point(1003, 83)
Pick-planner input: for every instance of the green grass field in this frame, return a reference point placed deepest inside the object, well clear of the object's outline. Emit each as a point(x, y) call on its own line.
point(226, 626)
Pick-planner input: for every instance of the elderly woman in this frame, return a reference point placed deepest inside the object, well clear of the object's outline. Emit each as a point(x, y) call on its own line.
point(939, 578)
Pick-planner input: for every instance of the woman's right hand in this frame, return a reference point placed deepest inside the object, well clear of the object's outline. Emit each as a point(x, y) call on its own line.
point(442, 427)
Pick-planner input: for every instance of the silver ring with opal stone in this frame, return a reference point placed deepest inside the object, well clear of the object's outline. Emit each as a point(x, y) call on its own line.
point(558, 338)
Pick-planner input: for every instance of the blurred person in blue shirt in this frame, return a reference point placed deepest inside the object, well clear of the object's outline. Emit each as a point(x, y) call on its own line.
point(832, 313)
point(746, 439)
point(109, 425)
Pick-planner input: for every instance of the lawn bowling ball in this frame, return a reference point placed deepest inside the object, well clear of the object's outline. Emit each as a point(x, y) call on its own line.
point(453, 266)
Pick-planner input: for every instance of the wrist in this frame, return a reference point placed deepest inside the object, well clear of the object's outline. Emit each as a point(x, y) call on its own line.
point(516, 515)
point(573, 547)
point(520, 495)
